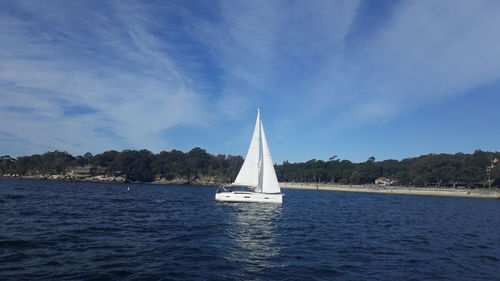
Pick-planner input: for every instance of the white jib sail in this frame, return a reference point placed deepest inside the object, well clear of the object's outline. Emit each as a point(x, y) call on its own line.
point(249, 173)
point(269, 180)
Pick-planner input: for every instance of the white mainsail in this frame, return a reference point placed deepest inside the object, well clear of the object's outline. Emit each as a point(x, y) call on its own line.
point(258, 168)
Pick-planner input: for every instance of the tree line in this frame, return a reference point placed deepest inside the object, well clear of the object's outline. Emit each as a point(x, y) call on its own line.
point(478, 169)
point(140, 166)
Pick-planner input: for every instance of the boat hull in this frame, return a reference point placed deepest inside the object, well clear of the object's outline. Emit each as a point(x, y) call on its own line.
point(250, 197)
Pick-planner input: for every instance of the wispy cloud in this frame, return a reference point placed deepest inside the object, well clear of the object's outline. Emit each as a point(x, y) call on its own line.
point(424, 52)
point(82, 70)
point(406, 55)
point(85, 75)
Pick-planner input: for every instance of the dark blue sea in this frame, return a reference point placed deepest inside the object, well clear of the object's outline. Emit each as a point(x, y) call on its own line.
point(92, 231)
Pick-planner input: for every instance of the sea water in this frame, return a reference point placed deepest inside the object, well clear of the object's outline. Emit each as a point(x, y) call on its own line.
point(93, 231)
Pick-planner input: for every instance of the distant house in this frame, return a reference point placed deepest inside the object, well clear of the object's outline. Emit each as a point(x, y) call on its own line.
point(385, 181)
point(82, 171)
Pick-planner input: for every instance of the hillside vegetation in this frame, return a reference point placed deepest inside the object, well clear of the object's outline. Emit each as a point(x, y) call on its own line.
point(453, 170)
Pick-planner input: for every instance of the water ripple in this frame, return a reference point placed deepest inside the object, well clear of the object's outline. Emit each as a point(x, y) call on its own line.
point(91, 231)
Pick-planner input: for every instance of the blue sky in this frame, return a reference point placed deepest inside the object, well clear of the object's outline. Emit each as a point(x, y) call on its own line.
point(389, 79)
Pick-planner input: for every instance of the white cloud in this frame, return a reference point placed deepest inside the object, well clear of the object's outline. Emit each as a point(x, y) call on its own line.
point(63, 55)
point(267, 48)
point(318, 61)
point(422, 53)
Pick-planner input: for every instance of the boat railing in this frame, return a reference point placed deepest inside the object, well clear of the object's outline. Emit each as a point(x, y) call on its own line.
point(222, 189)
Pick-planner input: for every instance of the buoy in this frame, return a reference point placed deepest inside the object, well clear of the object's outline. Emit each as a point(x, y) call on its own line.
point(128, 188)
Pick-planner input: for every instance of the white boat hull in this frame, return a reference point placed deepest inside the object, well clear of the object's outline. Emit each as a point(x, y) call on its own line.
point(250, 197)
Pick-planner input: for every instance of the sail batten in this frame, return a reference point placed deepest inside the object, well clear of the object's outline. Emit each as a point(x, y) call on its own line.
point(258, 168)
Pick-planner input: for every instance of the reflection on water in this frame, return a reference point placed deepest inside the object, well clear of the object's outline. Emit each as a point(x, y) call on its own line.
point(254, 235)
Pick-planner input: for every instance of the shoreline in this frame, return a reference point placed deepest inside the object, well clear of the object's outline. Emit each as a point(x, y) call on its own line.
point(493, 193)
point(426, 191)
point(115, 179)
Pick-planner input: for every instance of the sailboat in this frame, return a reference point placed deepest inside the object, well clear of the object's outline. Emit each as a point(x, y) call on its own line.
point(257, 173)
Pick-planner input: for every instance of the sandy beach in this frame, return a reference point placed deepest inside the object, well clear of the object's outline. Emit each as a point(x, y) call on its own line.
point(429, 191)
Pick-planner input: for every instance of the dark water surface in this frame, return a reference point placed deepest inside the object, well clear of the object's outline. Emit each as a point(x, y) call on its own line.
point(91, 231)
